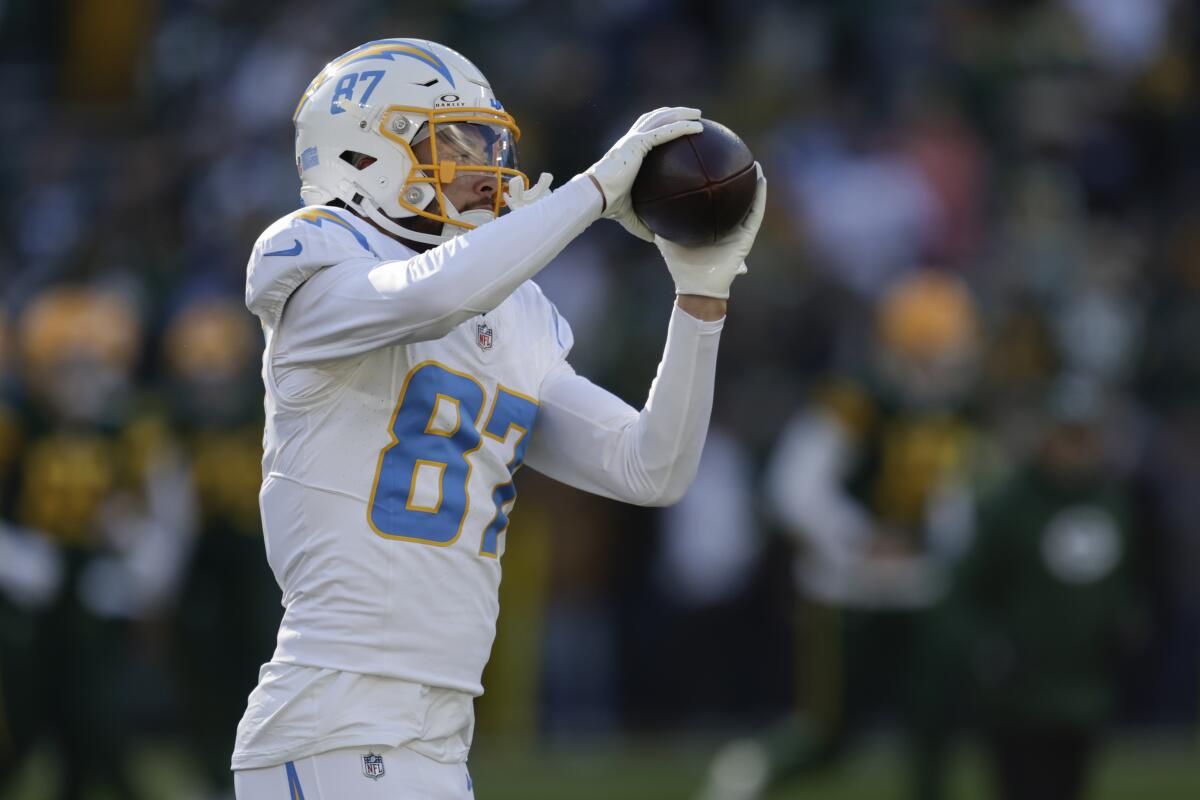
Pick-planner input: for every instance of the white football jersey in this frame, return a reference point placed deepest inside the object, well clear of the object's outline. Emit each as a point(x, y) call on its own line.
point(388, 475)
point(402, 391)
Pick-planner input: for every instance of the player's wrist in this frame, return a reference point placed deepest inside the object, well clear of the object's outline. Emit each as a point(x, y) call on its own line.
point(702, 307)
point(600, 189)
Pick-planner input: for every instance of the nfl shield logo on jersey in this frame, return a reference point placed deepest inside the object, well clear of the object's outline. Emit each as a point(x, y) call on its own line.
point(484, 336)
point(373, 766)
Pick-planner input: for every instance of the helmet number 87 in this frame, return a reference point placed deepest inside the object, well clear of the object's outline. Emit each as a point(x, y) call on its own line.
point(346, 85)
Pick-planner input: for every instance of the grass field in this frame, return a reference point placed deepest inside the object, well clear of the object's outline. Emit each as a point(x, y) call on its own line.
point(1132, 769)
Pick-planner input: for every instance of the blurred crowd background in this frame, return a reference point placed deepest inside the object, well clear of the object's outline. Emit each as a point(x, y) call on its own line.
point(952, 488)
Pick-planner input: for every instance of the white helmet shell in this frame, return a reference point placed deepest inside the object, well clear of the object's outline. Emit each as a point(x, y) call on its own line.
point(378, 100)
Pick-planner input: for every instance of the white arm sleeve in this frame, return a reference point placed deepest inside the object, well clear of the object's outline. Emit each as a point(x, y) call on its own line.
point(362, 304)
point(30, 567)
point(592, 440)
point(804, 485)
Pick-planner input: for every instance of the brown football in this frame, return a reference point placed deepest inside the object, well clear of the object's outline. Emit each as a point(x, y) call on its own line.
point(693, 190)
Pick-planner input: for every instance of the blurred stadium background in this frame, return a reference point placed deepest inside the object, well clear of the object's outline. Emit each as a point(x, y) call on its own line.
point(947, 526)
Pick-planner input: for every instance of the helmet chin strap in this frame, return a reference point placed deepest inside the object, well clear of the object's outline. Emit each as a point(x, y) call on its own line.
point(476, 217)
point(372, 212)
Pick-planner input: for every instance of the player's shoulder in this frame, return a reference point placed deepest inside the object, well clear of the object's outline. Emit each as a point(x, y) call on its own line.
point(324, 230)
point(297, 246)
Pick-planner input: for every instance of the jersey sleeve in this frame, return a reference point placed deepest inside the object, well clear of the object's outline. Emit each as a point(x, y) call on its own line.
point(805, 485)
point(361, 305)
point(590, 439)
point(296, 248)
point(550, 328)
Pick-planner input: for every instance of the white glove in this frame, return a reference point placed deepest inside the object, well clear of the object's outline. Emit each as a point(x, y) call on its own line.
point(614, 173)
point(518, 196)
point(709, 269)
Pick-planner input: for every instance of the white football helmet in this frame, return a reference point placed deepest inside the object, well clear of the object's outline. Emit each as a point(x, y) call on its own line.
point(380, 99)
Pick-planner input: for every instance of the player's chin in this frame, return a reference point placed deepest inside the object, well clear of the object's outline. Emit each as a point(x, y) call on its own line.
point(422, 225)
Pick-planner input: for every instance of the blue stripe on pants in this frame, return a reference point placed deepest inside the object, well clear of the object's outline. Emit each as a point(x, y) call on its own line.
point(294, 790)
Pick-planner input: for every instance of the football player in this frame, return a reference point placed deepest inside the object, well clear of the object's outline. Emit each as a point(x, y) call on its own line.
point(95, 526)
point(874, 481)
point(411, 366)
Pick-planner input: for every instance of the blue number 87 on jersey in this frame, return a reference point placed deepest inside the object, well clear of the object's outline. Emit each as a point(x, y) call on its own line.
point(422, 484)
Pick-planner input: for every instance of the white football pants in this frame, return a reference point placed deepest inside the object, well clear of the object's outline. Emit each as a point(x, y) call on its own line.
point(357, 773)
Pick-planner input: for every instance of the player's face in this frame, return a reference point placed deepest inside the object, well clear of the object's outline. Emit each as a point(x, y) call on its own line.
point(470, 145)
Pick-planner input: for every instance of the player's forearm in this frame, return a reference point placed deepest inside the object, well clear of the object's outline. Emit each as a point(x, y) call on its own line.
point(590, 439)
point(30, 568)
point(668, 437)
point(805, 484)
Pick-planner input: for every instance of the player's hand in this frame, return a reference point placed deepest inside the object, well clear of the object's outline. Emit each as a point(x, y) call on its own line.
point(518, 196)
point(614, 173)
point(708, 270)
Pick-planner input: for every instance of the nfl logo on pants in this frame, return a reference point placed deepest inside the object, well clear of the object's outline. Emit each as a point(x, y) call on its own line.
point(373, 766)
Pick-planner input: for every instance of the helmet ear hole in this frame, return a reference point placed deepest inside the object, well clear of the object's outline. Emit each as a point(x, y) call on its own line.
point(359, 161)
point(415, 195)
